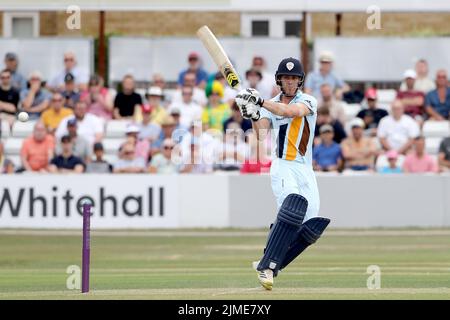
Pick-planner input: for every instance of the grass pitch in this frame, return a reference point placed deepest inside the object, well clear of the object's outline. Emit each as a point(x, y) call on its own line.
point(216, 264)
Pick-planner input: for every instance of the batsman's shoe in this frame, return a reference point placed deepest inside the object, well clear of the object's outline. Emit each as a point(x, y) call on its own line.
point(265, 277)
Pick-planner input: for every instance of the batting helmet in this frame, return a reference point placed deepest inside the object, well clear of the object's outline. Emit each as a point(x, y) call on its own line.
point(290, 67)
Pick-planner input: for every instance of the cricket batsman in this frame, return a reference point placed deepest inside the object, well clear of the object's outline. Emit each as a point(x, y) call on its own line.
point(292, 116)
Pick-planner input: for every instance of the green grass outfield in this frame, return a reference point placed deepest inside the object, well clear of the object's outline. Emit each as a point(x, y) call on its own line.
point(216, 264)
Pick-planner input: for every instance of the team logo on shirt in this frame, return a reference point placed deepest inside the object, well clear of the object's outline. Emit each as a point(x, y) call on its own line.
point(290, 65)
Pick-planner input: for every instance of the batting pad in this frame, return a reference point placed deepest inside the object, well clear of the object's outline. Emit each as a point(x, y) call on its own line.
point(284, 231)
point(309, 233)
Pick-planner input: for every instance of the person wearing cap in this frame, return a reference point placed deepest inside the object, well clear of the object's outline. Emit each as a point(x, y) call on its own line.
point(98, 164)
point(142, 146)
point(198, 94)
point(37, 149)
point(81, 147)
point(423, 82)
point(168, 126)
point(9, 97)
point(371, 115)
point(70, 66)
point(194, 66)
point(216, 112)
point(189, 109)
point(147, 129)
point(327, 99)
point(327, 156)
point(89, 126)
point(127, 100)
point(35, 98)
point(163, 162)
point(267, 87)
point(70, 91)
point(55, 113)
point(418, 160)
point(154, 96)
point(323, 118)
point(359, 152)
point(66, 161)
point(98, 98)
point(253, 77)
point(18, 81)
point(392, 157)
point(397, 130)
point(412, 99)
point(437, 102)
point(325, 75)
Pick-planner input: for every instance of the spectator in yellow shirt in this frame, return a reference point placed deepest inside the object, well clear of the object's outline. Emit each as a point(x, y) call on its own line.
point(53, 115)
point(216, 112)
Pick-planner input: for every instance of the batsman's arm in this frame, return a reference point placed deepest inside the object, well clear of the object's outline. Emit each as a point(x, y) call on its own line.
point(261, 128)
point(288, 111)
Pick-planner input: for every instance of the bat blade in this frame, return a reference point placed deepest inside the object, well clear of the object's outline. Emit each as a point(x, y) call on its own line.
point(219, 56)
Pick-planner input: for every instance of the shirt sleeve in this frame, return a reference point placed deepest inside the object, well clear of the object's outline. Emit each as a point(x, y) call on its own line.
point(428, 99)
point(381, 131)
point(264, 113)
point(310, 102)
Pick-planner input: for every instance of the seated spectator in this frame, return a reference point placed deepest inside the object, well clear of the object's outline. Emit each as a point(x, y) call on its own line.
point(168, 127)
point(198, 94)
point(147, 129)
point(9, 97)
point(70, 91)
point(154, 98)
point(128, 162)
point(18, 81)
point(323, 117)
point(81, 147)
point(397, 131)
point(194, 67)
point(259, 160)
point(175, 113)
point(423, 83)
point(392, 167)
point(163, 162)
point(98, 98)
point(189, 109)
point(327, 156)
point(418, 161)
point(66, 162)
point(37, 150)
point(216, 112)
point(252, 77)
point(325, 75)
point(372, 115)
point(194, 162)
point(267, 87)
point(437, 102)
point(444, 154)
point(8, 167)
point(127, 100)
point(70, 66)
point(35, 98)
point(158, 81)
point(98, 165)
point(413, 100)
point(55, 113)
point(359, 151)
point(234, 150)
point(328, 100)
point(89, 126)
point(142, 146)
point(236, 116)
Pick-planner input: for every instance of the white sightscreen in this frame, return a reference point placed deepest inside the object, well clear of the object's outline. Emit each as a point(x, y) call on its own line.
point(145, 56)
point(46, 54)
point(383, 59)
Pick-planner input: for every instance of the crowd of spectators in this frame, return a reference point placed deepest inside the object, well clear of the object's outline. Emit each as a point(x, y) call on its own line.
point(198, 127)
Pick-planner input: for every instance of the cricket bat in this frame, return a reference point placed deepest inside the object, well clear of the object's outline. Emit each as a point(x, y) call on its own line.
point(219, 56)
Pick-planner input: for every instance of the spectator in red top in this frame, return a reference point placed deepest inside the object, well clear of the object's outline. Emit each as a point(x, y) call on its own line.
point(37, 150)
point(412, 99)
point(418, 161)
point(98, 98)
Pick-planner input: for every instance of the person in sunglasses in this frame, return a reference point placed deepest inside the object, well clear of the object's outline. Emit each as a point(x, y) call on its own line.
point(163, 162)
point(55, 113)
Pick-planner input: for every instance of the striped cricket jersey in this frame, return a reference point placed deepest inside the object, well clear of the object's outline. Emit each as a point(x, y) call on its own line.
point(292, 138)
